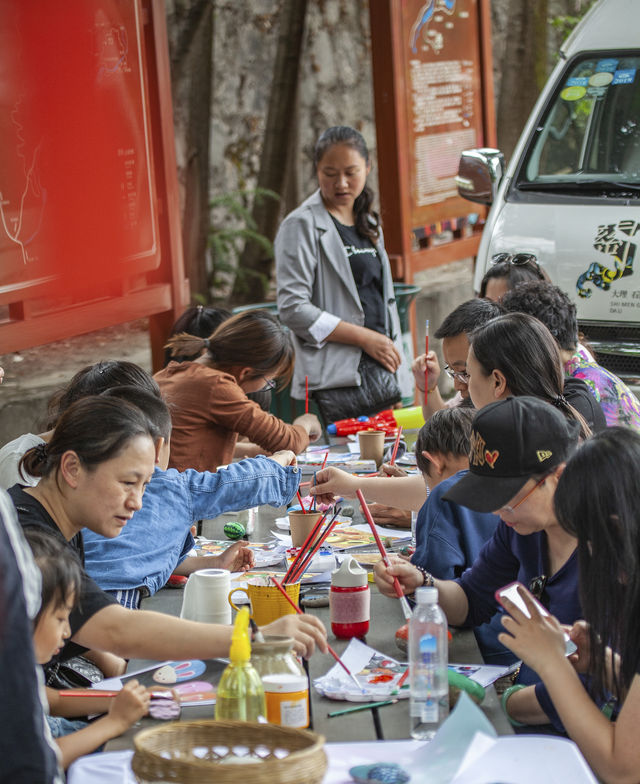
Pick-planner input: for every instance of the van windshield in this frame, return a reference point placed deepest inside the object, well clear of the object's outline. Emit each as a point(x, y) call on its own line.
point(589, 137)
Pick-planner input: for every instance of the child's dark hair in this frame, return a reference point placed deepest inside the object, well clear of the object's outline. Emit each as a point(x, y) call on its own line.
point(96, 428)
point(550, 305)
point(467, 316)
point(154, 408)
point(93, 380)
point(59, 566)
point(254, 339)
point(198, 320)
point(367, 222)
point(447, 432)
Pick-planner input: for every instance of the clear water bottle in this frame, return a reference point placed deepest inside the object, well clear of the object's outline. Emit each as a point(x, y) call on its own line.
point(428, 661)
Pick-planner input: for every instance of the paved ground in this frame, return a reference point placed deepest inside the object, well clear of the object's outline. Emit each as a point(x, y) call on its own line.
point(32, 375)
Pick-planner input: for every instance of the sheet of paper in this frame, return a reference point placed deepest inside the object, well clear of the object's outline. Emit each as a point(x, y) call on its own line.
point(524, 759)
point(484, 674)
point(390, 533)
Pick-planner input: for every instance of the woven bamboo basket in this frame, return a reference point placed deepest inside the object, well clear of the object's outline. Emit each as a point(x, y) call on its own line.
point(191, 752)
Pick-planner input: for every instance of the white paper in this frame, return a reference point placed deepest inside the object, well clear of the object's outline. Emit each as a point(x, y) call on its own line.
point(390, 533)
point(484, 674)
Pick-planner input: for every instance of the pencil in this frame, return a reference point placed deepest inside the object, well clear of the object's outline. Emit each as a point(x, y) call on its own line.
point(304, 511)
point(364, 706)
point(324, 460)
point(329, 648)
point(426, 368)
point(396, 444)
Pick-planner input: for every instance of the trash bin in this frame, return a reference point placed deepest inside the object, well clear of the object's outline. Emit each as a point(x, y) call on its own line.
point(405, 295)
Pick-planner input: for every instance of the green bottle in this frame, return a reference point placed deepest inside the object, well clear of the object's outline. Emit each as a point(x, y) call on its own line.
point(240, 693)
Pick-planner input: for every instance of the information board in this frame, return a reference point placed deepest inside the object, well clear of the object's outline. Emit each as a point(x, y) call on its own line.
point(77, 192)
point(434, 99)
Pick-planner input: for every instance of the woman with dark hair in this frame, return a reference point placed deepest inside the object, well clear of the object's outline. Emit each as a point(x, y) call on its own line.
point(93, 473)
point(596, 501)
point(335, 290)
point(507, 272)
point(556, 311)
point(91, 380)
point(515, 355)
point(208, 397)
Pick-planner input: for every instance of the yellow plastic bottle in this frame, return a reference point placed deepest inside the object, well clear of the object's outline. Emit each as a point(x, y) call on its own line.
point(240, 693)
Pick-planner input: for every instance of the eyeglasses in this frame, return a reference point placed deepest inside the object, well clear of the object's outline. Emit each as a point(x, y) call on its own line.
point(516, 260)
point(461, 375)
point(537, 585)
point(269, 384)
point(538, 484)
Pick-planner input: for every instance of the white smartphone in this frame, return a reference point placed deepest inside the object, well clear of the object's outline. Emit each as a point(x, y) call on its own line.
point(511, 592)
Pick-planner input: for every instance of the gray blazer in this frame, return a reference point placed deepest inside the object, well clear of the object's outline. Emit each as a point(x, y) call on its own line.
point(316, 287)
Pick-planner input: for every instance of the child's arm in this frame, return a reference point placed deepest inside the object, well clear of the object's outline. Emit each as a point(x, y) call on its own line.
point(406, 492)
point(610, 748)
point(130, 705)
point(237, 558)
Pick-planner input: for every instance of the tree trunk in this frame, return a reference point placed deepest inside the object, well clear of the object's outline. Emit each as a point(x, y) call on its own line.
point(522, 68)
point(254, 270)
point(191, 43)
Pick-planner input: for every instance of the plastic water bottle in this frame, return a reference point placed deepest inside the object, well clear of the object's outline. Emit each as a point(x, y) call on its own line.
point(428, 661)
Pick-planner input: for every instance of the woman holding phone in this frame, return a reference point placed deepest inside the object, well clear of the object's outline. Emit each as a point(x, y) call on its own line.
point(596, 501)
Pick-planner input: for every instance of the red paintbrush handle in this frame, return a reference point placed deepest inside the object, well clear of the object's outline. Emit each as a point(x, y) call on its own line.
point(376, 536)
point(299, 611)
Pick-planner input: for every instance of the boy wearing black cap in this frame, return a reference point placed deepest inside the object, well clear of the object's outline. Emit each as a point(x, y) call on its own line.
point(518, 450)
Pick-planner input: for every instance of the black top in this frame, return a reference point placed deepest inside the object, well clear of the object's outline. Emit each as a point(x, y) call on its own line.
point(366, 269)
point(26, 756)
point(578, 394)
point(92, 598)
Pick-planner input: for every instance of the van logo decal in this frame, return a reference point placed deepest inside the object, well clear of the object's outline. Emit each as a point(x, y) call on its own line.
point(621, 250)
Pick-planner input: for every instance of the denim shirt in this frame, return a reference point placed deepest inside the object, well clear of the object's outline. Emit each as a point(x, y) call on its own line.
point(157, 538)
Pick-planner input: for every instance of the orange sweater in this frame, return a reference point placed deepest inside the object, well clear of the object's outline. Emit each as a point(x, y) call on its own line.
point(209, 410)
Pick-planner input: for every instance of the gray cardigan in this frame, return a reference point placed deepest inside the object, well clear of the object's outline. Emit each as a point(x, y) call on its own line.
point(316, 290)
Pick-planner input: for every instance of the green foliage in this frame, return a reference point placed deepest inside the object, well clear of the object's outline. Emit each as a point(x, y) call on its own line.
point(232, 225)
point(564, 23)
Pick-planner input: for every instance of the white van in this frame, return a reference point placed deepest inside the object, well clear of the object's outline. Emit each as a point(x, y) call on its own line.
point(571, 192)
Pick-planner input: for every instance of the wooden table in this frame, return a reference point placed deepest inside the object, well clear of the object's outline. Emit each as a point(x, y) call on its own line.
point(386, 618)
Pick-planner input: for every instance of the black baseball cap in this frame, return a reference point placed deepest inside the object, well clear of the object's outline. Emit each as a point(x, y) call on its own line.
point(511, 441)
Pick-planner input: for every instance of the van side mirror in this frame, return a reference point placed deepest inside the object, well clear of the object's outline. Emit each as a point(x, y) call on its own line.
point(479, 174)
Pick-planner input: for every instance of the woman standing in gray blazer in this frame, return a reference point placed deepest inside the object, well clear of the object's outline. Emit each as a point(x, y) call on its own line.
point(335, 290)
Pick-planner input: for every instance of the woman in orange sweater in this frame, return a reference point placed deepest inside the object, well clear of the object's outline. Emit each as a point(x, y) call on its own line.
point(207, 397)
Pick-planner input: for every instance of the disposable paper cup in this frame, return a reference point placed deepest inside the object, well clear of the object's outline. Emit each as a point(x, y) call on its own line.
point(301, 525)
point(371, 445)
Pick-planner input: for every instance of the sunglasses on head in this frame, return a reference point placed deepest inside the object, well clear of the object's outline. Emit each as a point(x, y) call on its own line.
point(537, 585)
point(516, 259)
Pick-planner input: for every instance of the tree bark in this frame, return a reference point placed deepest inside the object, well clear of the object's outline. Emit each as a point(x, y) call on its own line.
point(522, 68)
point(254, 270)
point(191, 45)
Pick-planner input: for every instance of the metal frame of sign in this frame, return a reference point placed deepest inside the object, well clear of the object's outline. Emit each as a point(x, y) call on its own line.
point(433, 90)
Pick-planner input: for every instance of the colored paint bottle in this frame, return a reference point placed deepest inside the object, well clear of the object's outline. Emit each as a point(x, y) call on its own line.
point(349, 600)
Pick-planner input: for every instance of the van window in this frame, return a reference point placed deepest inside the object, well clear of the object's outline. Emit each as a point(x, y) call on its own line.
point(590, 132)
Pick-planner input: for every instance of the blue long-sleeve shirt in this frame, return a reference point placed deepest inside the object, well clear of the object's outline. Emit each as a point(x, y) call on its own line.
point(157, 538)
point(449, 538)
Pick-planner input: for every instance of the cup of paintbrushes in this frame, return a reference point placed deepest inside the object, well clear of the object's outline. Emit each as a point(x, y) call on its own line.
point(301, 524)
point(371, 445)
point(267, 602)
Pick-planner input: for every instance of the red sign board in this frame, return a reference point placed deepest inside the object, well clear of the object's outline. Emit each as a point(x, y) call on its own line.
point(88, 202)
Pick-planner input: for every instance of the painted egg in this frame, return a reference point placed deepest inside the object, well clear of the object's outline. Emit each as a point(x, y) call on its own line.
point(379, 773)
point(234, 530)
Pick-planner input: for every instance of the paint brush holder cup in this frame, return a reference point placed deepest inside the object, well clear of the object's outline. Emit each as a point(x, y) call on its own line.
point(301, 524)
point(267, 603)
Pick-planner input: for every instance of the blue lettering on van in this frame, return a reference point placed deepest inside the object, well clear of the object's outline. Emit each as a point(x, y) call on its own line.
point(621, 250)
point(624, 76)
point(578, 81)
point(609, 65)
